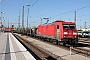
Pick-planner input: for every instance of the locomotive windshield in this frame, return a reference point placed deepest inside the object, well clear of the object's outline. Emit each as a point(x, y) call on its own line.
point(68, 26)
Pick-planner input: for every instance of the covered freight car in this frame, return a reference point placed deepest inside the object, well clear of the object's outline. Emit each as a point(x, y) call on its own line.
point(59, 31)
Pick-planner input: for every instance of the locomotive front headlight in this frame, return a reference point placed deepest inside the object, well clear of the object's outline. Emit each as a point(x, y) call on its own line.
point(74, 33)
point(65, 32)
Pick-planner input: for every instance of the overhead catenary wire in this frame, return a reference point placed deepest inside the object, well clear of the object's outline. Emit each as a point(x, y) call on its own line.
point(78, 16)
point(70, 11)
point(31, 6)
point(34, 3)
point(64, 12)
point(61, 7)
point(54, 9)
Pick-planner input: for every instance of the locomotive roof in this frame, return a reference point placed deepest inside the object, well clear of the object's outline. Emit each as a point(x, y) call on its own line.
point(59, 21)
point(51, 23)
point(45, 24)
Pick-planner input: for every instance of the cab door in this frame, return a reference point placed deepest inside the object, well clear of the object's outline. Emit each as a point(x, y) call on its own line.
point(58, 32)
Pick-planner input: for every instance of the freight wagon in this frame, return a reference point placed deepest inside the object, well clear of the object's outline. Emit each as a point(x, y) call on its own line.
point(59, 31)
point(8, 29)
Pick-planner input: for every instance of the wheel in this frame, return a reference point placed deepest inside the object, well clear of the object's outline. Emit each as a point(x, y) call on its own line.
point(63, 43)
point(76, 42)
point(51, 40)
point(57, 42)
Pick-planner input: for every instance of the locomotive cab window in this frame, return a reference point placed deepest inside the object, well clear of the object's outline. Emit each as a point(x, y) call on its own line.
point(68, 26)
point(65, 26)
point(57, 26)
point(72, 26)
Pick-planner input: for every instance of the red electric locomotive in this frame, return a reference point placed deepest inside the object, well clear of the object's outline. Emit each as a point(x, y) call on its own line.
point(59, 31)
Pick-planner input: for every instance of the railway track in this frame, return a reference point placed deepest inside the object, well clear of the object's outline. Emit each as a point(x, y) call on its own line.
point(84, 40)
point(81, 49)
point(41, 54)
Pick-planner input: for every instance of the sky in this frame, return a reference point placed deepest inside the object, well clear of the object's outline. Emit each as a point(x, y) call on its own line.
point(52, 9)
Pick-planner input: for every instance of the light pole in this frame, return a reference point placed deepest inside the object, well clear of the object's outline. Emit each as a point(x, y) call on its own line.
point(25, 24)
point(27, 15)
point(3, 22)
point(1, 17)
